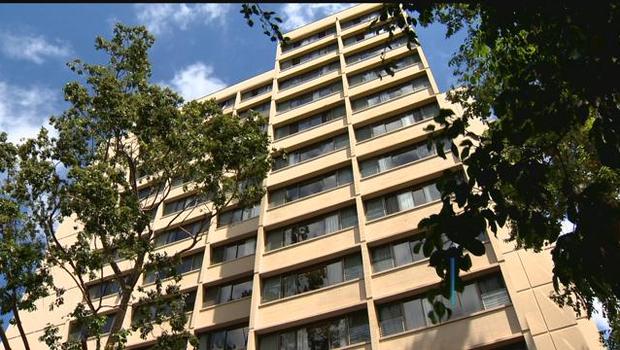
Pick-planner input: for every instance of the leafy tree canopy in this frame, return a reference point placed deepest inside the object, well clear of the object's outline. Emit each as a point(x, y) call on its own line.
point(543, 78)
point(123, 147)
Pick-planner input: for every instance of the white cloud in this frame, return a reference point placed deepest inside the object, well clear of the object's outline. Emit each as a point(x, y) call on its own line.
point(195, 80)
point(24, 110)
point(34, 48)
point(297, 15)
point(160, 18)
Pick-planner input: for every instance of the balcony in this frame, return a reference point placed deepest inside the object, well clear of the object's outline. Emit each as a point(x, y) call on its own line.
point(418, 274)
point(366, 42)
point(377, 144)
point(291, 173)
point(307, 85)
point(414, 171)
point(310, 249)
point(375, 60)
point(306, 48)
point(319, 61)
point(307, 108)
point(308, 135)
point(234, 230)
point(188, 280)
point(310, 304)
point(309, 205)
point(228, 269)
point(226, 313)
point(399, 222)
point(397, 104)
point(255, 101)
point(481, 328)
point(378, 83)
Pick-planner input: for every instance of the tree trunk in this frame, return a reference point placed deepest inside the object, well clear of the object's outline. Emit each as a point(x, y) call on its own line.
point(5, 340)
point(20, 327)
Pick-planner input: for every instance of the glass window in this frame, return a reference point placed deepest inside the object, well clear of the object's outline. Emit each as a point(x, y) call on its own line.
point(327, 334)
point(271, 289)
point(238, 215)
point(414, 314)
point(382, 258)
point(312, 151)
point(308, 97)
point(375, 208)
point(292, 62)
point(391, 319)
point(352, 267)
point(361, 19)
point(233, 250)
point(314, 227)
point(256, 92)
point(394, 123)
point(227, 339)
point(376, 50)
point(325, 274)
point(493, 292)
point(311, 75)
point(402, 253)
point(390, 93)
point(308, 40)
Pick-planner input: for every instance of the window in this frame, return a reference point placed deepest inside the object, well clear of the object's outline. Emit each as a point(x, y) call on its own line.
point(399, 201)
point(226, 339)
point(220, 294)
point(395, 254)
point(411, 314)
point(312, 96)
point(361, 19)
point(376, 50)
point(150, 311)
point(315, 227)
point(308, 40)
point(312, 151)
point(182, 232)
point(148, 191)
point(188, 263)
point(181, 204)
point(309, 187)
point(227, 103)
point(388, 125)
point(233, 250)
point(77, 331)
point(390, 94)
point(256, 92)
point(315, 277)
point(238, 215)
point(295, 61)
point(309, 122)
point(104, 288)
point(311, 75)
point(348, 41)
point(399, 157)
point(375, 73)
point(263, 109)
point(323, 335)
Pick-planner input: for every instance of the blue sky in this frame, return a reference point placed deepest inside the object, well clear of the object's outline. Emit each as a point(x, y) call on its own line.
point(200, 48)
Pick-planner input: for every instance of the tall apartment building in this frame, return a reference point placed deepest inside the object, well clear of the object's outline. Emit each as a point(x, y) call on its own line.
point(326, 260)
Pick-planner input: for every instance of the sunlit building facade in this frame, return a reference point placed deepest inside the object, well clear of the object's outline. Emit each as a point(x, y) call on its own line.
point(326, 261)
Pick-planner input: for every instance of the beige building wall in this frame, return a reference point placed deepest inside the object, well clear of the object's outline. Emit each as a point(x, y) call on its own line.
point(530, 318)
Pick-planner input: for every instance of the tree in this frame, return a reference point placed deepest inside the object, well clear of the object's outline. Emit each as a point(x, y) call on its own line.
point(542, 77)
point(120, 132)
point(23, 278)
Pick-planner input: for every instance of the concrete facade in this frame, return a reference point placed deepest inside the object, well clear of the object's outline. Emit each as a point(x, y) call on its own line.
point(519, 315)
